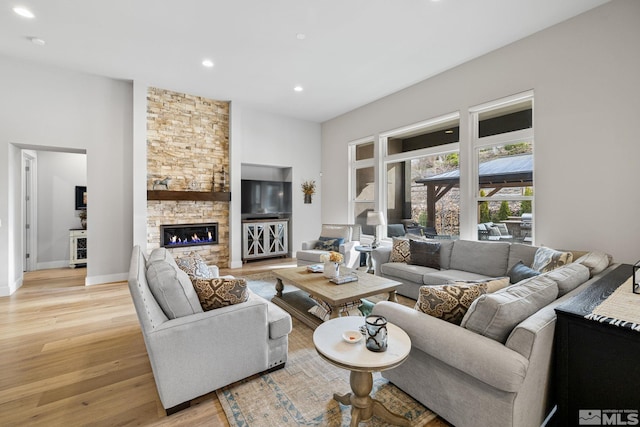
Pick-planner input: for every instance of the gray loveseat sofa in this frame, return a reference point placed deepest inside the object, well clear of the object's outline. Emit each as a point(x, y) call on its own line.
point(195, 354)
point(464, 373)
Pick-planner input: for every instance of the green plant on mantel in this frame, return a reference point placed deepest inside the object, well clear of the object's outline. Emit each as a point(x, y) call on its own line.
point(309, 188)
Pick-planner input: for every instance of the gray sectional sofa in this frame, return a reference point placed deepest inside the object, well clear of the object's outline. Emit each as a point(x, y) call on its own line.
point(459, 260)
point(495, 368)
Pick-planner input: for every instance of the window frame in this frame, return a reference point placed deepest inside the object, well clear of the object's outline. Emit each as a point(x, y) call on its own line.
point(478, 143)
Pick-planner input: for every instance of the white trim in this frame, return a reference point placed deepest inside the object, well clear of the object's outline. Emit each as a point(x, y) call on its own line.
point(415, 127)
point(107, 278)
point(502, 102)
point(52, 264)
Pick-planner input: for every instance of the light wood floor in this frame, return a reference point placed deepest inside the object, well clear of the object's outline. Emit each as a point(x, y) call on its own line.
point(73, 355)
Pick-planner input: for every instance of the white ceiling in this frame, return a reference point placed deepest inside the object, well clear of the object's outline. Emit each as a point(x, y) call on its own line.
point(354, 52)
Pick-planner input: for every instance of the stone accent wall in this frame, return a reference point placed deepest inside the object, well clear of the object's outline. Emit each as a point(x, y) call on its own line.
point(188, 142)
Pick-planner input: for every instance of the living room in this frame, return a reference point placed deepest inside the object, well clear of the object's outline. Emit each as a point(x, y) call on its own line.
point(583, 73)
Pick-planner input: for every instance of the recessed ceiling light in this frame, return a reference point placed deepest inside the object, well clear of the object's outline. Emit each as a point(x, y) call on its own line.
point(207, 63)
point(301, 36)
point(37, 40)
point(24, 12)
point(298, 88)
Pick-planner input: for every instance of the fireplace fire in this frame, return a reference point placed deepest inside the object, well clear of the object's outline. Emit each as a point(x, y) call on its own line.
point(180, 235)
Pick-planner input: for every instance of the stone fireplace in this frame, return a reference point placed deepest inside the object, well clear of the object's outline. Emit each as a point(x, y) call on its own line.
point(188, 143)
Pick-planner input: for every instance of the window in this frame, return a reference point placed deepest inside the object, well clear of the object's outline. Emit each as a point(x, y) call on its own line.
point(503, 169)
point(363, 190)
point(423, 177)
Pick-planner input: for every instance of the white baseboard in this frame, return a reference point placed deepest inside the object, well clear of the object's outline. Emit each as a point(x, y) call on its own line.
point(52, 264)
point(8, 290)
point(107, 278)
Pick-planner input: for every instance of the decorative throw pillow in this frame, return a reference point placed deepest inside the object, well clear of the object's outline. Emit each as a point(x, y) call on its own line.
point(220, 292)
point(172, 290)
point(426, 254)
point(329, 243)
point(323, 311)
point(495, 315)
point(194, 266)
point(595, 261)
point(520, 272)
point(449, 302)
point(400, 250)
point(493, 284)
point(546, 259)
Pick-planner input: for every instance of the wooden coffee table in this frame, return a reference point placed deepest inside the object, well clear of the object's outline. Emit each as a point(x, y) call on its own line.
point(327, 338)
point(319, 286)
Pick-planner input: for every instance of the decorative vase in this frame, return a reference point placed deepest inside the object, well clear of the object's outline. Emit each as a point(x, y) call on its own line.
point(331, 269)
point(83, 223)
point(307, 198)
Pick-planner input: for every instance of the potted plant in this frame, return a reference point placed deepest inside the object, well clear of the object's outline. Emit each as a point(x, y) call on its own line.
point(309, 189)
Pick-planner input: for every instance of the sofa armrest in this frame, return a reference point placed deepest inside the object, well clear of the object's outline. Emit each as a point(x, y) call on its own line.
point(379, 256)
point(309, 244)
point(351, 256)
point(483, 358)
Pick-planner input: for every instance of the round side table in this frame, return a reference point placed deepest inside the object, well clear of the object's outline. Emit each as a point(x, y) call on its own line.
point(362, 362)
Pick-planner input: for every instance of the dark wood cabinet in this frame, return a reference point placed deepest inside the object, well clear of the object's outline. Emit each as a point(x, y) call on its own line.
point(597, 364)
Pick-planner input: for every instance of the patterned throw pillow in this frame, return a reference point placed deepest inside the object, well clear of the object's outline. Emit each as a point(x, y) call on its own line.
point(220, 292)
point(194, 266)
point(449, 302)
point(400, 251)
point(546, 259)
point(493, 284)
point(329, 244)
point(426, 254)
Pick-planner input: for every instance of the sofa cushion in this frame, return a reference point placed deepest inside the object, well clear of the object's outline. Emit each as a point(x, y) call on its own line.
point(400, 250)
point(407, 272)
point(194, 266)
point(568, 277)
point(521, 252)
point(442, 277)
point(449, 302)
point(493, 284)
point(487, 258)
point(172, 290)
point(329, 243)
point(495, 315)
point(446, 246)
point(426, 254)
point(595, 261)
point(337, 231)
point(220, 292)
point(520, 272)
point(547, 259)
point(310, 255)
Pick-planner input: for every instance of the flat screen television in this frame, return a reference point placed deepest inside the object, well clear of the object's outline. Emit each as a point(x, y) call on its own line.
point(265, 197)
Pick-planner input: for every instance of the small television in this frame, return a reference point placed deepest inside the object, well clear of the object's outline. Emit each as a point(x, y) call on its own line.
point(265, 197)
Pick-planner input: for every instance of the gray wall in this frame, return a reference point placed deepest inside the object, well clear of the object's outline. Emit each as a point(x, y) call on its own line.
point(585, 76)
point(46, 107)
point(58, 175)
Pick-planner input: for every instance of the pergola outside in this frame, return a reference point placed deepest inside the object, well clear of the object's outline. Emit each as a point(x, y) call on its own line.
point(496, 174)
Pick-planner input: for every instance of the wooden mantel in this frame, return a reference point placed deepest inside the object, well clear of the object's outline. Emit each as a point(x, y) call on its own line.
point(208, 196)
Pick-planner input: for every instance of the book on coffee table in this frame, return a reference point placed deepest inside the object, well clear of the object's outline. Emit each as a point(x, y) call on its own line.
point(339, 280)
point(316, 268)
